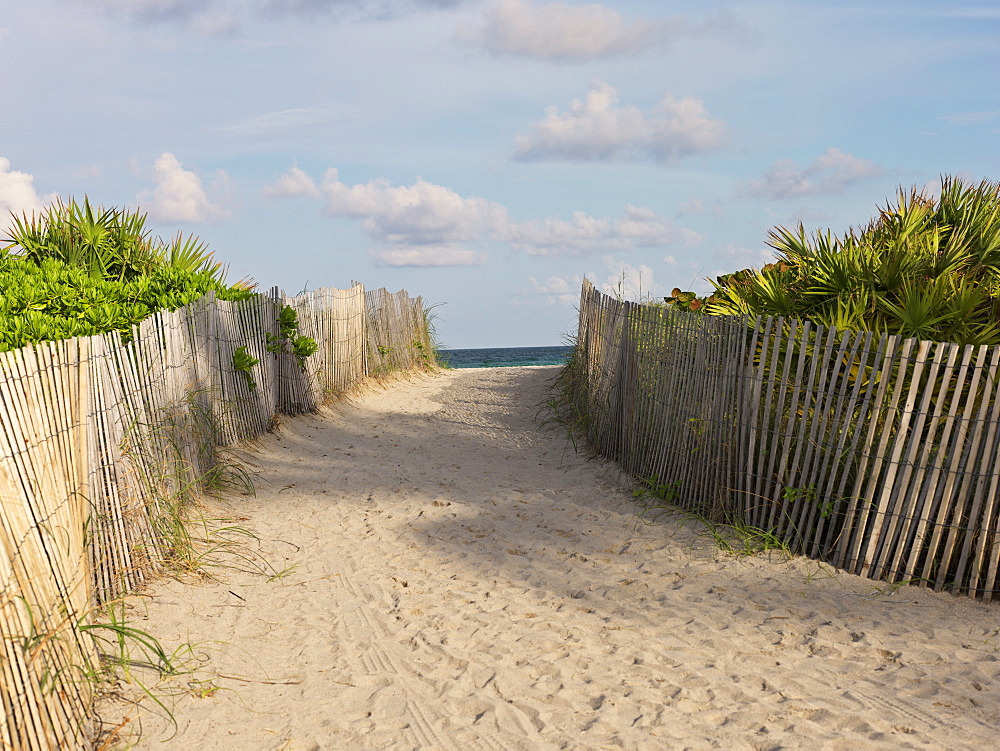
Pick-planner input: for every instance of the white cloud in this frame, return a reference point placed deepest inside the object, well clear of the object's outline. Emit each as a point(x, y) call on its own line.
point(427, 255)
point(430, 225)
point(598, 129)
point(179, 196)
point(207, 17)
point(292, 184)
point(89, 171)
point(283, 122)
point(694, 206)
point(214, 22)
point(18, 195)
point(420, 214)
point(574, 33)
point(218, 17)
point(587, 235)
point(554, 285)
point(622, 280)
point(149, 8)
point(972, 118)
point(832, 172)
point(741, 257)
point(418, 225)
point(630, 282)
point(557, 289)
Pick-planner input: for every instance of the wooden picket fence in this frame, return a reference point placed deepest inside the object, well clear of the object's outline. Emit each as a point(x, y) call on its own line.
point(95, 435)
point(877, 454)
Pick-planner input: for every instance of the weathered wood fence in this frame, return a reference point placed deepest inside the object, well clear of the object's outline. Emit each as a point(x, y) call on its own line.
point(877, 454)
point(96, 435)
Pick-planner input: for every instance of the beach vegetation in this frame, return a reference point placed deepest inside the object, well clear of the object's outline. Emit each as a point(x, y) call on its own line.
point(132, 665)
point(288, 339)
point(739, 539)
point(655, 498)
point(565, 405)
point(180, 459)
point(78, 270)
point(244, 362)
point(108, 650)
point(926, 267)
point(431, 351)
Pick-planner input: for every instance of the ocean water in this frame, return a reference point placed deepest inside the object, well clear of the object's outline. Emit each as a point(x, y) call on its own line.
point(504, 357)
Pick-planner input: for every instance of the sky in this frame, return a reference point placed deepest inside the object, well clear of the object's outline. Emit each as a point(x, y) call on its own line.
point(488, 155)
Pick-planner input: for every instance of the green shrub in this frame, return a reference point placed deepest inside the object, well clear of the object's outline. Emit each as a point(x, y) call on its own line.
point(288, 339)
point(76, 271)
point(926, 268)
point(244, 362)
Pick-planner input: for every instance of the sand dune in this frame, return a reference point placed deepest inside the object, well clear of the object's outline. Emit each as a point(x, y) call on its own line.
point(465, 580)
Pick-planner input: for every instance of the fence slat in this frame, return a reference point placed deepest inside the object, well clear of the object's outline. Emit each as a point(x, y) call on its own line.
point(910, 499)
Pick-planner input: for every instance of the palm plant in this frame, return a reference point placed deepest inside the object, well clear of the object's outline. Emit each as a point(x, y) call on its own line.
point(925, 268)
point(112, 243)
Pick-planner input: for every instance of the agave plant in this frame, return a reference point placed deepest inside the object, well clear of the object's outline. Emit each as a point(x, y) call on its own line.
point(925, 267)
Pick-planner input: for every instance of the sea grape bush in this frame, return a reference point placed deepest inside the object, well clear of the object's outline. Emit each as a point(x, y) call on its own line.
point(288, 338)
point(687, 301)
point(244, 362)
point(51, 299)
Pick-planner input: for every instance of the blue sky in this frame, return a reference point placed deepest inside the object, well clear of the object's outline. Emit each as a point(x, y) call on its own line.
point(488, 155)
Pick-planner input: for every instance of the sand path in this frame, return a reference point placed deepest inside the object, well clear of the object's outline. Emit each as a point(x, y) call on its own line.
point(464, 580)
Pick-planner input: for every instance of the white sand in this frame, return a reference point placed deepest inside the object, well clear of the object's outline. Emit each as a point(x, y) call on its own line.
point(464, 580)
